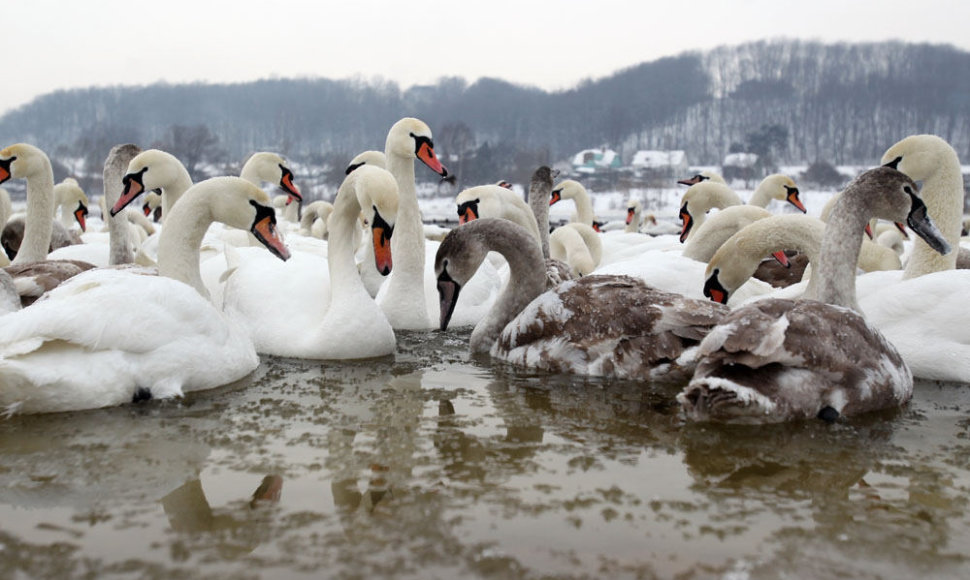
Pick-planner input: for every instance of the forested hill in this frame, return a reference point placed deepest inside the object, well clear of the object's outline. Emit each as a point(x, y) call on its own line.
point(841, 103)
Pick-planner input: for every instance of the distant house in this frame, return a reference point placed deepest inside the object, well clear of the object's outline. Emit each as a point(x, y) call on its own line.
point(659, 164)
point(739, 166)
point(593, 161)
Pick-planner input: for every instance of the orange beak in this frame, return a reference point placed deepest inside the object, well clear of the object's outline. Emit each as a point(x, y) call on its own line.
point(286, 182)
point(4, 173)
point(466, 217)
point(782, 258)
point(147, 209)
point(382, 232)
point(794, 200)
point(382, 249)
point(426, 154)
point(555, 197)
point(265, 231)
point(688, 222)
point(79, 215)
point(133, 187)
point(869, 231)
point(629, 215)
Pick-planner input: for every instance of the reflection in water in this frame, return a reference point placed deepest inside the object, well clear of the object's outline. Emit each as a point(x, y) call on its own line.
point(432, 464)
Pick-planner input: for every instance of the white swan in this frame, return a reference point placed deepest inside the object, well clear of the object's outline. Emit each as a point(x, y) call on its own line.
point(708, 194)
point(921, 310)
point(152, 206)
point(777, 186)
point(634, 216)
point(150, 170)
point(92, 342)
point(23, 161)
point(597, 325)
point(406, 294)
point(313, 222)
point(33, 273)
point(714, 231)
point(574, 190)
point(328, 314)
point(577, 245)
point(778, 360)
point(72, 202)
point(496, 201)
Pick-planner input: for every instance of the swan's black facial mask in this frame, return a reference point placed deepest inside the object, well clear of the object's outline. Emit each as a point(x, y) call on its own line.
point(134, 185)
point(264, 228)
point(468, 211)
point(5, 168)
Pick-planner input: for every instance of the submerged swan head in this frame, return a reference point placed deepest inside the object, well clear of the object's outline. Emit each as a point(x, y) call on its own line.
point(21, 161)
point(272, 168)
point(149, 170)
point(411, 138)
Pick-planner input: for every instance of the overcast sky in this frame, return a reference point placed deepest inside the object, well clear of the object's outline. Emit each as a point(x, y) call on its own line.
point(54, 44)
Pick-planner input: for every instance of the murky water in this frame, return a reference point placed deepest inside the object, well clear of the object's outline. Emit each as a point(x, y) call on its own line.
point(433, 465)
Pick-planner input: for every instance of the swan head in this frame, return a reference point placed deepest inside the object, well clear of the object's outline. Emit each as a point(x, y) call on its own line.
point(378, 196)
point(568, 189)
point(633, 209)
point(783, 188)
point(240, 204)
point(479, 201)
point(153, 205)
point(272, 168)
point(703, 176)
point(920, 156)
point(459, 255)
point(411, 138)
point(21, 161)
point(892, 195)
point(151, 169)
point(69, 193)
point(370, 157)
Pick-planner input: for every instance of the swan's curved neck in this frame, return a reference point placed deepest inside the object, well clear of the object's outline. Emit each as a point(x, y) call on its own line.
point(942, 193)
point(840, 253)
point(181, 238)
point(344, 276)
point(173, 191)
point(634, 225)
point(699, 205)
point(527, 279)
point(407, 244)
point(584, 206)
point(38, 223)
point(761, 196)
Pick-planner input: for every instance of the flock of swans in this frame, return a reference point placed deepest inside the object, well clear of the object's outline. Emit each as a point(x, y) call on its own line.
point(155, 310)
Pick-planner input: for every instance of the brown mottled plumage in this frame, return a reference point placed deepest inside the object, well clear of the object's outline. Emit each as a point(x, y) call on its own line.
point(778, 360)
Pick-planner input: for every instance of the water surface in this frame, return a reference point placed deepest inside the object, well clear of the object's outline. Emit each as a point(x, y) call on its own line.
point(431, 464)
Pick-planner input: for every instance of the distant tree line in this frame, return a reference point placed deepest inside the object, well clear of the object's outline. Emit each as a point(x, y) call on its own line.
point(789, 101)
